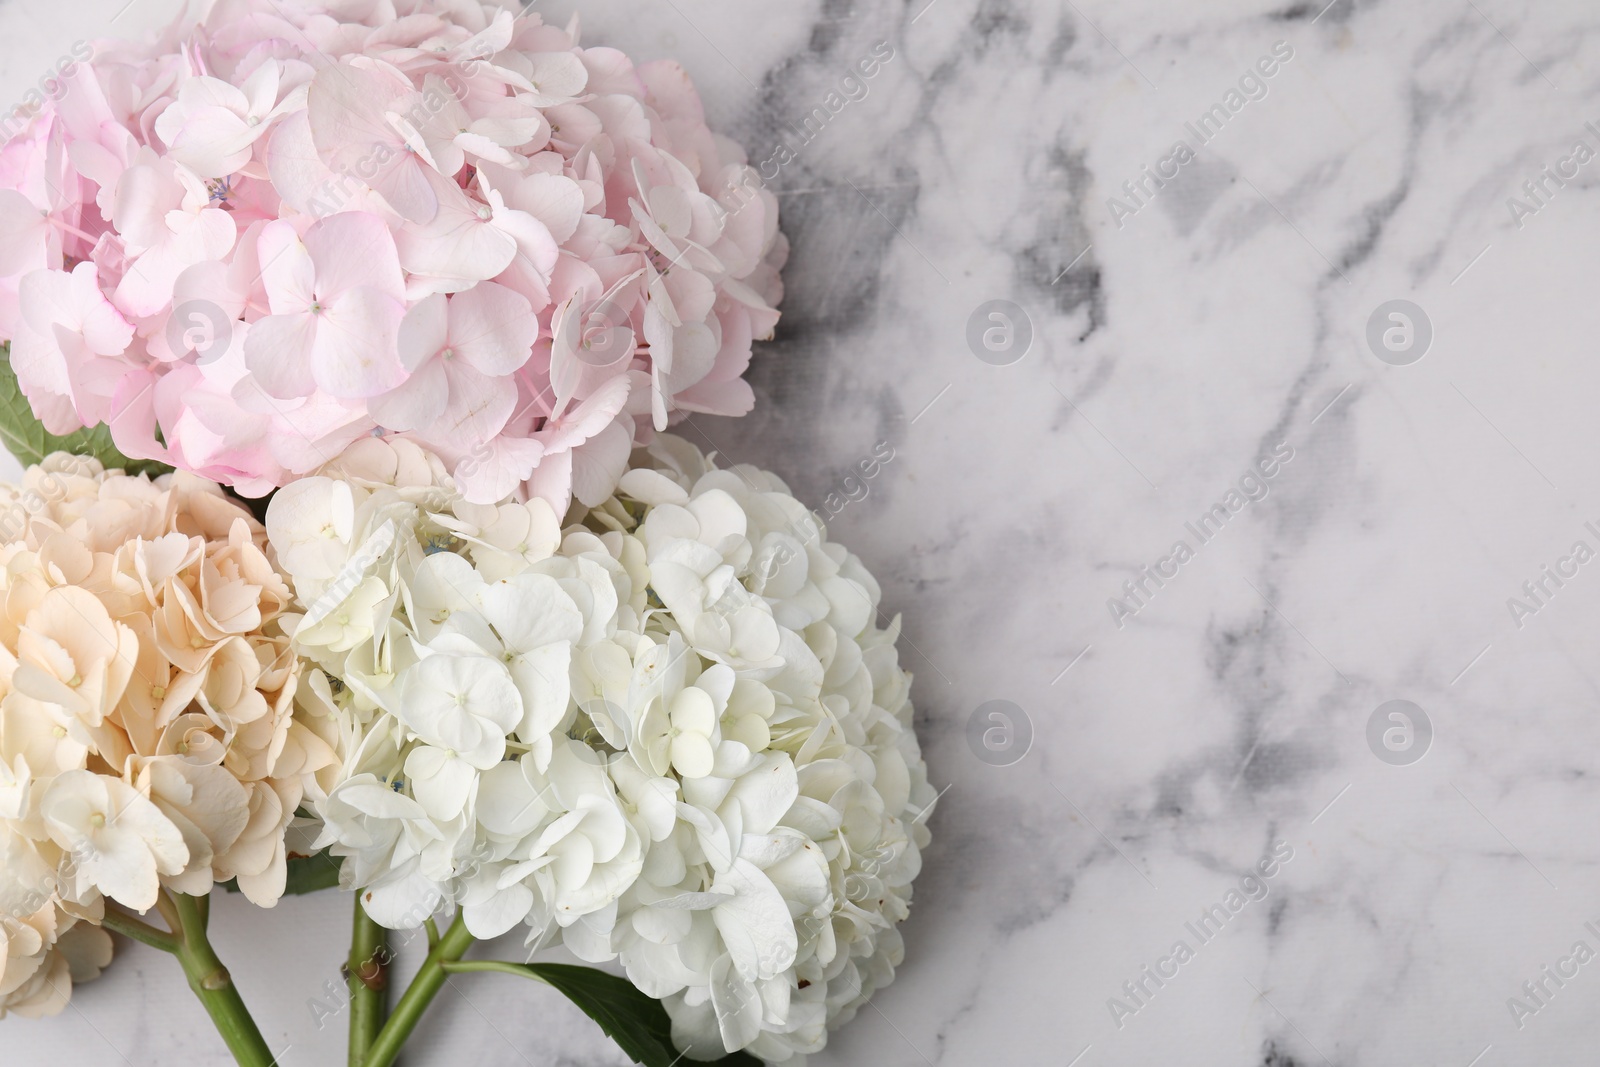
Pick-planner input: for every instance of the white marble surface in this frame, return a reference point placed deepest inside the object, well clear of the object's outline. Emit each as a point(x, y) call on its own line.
point(1223, 317)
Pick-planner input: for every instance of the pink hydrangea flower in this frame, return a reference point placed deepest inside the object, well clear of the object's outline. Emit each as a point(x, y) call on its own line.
point(262, 236)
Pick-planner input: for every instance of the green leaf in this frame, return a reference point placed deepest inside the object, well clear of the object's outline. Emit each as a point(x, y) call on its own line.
point(307, 874)
point(27, 439)
point(636, 1022)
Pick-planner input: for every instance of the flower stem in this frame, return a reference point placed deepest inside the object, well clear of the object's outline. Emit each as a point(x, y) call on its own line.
point(367, 975)
point(212, 984)
point(451, 947)
point(122, 923)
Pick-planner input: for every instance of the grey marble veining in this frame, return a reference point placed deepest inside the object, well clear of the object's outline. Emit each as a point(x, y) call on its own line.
point(1181, 332)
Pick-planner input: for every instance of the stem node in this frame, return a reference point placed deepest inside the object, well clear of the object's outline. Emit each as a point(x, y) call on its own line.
point(366, 976)
point(211, 981)
point(424, 987)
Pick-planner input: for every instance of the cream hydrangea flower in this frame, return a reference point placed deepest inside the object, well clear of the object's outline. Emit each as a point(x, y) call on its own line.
point(672, 734)
point(147, 696)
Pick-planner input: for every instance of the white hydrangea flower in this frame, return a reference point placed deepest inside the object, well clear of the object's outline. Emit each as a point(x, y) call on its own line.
point(672, 734)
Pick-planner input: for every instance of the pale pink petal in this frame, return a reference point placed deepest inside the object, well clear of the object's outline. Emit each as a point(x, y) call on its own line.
point(556, 77)
point(201, 92)
point(572, 126)
point(104, 329)
point(101, 166)
point(481, 147)
point(694, 348)
point(598, 463)
point(550, 481)
point(461, 242)
point(354, 354)
point(732, 397)
point(56, 413)
point(214, 143)
point(511, 123)
point(611, 71)
point(23, 234)
point(278, 353)
point(261, 87)
point(40, 365)
point(592, 344)
point(535, 246)
point(145, 194)
point(492, 328)
point(553, 199)
point(300, 176)
point(210, 280)
point(287, 271)
point(47, 298)
point(693, 294)
point(147, 287)
point(587, 419)
point(94, 381)
point(441, 118)
point(10, 306)
point(353, 249)
point(348, 109)
point(424, 331)
point(479, 404)
point(494, 37)
point(532, 284)
point(133, 418)
point(493, 470)
point(314, 432)
point(415, 403)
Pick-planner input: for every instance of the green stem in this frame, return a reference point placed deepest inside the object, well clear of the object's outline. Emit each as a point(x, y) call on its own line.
point(451, 947)
point(521, 970)
point(213, 985)
point(122, 923)
point(367, 975)
point(169, 912)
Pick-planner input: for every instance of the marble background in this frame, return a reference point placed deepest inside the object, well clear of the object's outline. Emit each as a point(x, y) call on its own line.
point(1176, 339)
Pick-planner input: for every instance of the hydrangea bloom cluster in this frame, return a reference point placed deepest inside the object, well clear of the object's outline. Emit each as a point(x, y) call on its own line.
point(147, 735)
point(671, 733)
point(265, 235)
